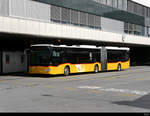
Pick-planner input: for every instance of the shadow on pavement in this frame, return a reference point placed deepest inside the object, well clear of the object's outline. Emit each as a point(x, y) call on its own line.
point(44, 75)
point(143, 102)
point(33, 75)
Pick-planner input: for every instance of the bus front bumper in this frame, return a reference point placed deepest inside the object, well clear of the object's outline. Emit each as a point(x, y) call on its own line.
point(39, 70)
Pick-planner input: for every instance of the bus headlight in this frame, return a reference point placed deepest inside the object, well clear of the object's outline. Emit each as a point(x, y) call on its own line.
point(48, 70)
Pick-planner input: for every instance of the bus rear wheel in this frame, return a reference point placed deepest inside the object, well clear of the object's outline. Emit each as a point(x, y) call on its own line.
point(119, 67)
point(96, 69)
point(66, 71)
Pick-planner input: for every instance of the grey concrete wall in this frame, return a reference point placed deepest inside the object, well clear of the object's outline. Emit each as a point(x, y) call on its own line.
point(4, 7)
point(14, 64)
point(30, 9)
point(111, 25)
point(147, 22)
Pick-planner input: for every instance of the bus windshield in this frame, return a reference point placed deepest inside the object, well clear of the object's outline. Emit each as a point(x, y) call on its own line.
point(40, 56)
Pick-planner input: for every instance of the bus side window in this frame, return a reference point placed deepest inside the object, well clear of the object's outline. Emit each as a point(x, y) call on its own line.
point(91, 56)
point(110, 57)
point(125, 56)
point(63, 56)
point(72, 58)
point(56, 54)
point(96, 57)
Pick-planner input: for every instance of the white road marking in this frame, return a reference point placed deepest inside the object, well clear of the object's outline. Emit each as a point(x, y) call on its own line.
point(127, 91)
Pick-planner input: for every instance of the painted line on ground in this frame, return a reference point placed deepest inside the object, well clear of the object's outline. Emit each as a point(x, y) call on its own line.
point(85, 77)
point(128, 95)
point(126, 91)
point(142, 78)
point(96, 91)
point(70, 89)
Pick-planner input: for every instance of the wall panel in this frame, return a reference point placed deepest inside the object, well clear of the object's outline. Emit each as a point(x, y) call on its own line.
point(4, 7)
point(30, 9)
point(112, 25)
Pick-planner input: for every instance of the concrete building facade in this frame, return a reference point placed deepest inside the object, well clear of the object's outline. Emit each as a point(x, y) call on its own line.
point(116, 21)
point(98, 22)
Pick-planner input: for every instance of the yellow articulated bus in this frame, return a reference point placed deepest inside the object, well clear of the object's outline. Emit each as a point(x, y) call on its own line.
point(55, 60)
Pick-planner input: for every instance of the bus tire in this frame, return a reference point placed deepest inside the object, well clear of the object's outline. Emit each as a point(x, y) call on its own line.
point(119, 67)
point(96, 69)
point(66, 71)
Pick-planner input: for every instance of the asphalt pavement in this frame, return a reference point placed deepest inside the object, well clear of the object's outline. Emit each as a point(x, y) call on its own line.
point(125, 91)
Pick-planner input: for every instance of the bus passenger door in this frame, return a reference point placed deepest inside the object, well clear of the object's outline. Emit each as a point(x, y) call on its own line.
point(103, 59)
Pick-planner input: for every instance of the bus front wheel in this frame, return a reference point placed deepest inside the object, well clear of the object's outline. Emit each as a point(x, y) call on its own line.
point(96, 69)
point(67, 71)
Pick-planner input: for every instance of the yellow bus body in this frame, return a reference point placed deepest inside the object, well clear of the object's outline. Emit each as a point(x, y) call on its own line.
point(114, 66)
point(75, 68)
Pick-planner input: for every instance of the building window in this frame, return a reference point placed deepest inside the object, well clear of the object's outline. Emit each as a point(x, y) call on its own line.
point(147, 12)
point(148, 32)
point(120, 4)
point(130, 7)
point(55, 13)
point(134, 29)
point(115, 3)
point(104, 1)
point(97, 22)
point(74, 17)
point(65, 15)
point(126, 27)
point(125, 4)
point(109, 3)
point(83, 19)
point(22, 59)
point(143, 11)
point(135, 9)
point(139, 10)
point(7, 59)
point(78, 18)
point(91, 20)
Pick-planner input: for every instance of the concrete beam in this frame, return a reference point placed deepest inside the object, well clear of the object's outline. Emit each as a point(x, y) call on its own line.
point(53, 30)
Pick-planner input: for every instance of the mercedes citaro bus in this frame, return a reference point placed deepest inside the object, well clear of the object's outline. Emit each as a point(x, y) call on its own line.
point(61, 59)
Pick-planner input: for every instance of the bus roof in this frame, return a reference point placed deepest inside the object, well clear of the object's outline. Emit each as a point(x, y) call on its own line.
point(81, 46)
